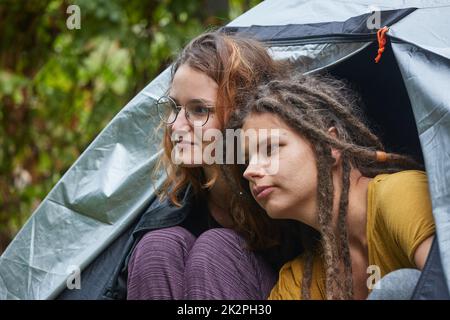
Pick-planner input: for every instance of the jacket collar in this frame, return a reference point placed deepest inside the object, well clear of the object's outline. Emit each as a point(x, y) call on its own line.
point(166, 214)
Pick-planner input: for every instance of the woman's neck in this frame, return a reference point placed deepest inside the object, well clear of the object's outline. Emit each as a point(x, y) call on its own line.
point(356, 216)
point(356, 224)
point(357, 209)
point(356, 219)
point(357, 232)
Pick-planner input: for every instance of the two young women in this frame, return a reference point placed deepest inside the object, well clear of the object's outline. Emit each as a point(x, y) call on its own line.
point(341, 201)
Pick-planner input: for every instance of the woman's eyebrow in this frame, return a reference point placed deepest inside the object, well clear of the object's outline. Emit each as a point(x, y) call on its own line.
point(194, 100)
point(263, 142)
point(271, 137)
point(207, 102)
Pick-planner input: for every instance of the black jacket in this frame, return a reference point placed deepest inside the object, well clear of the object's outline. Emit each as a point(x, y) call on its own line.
point(192, 215)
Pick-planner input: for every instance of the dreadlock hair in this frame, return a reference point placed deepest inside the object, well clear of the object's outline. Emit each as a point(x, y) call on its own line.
point(310, 105)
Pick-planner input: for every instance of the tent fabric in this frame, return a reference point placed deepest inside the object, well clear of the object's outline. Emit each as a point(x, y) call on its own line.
point(92, 204)
point(427, 28)
point(282, 12)
point(86, 216)
point(426, 76)
point(97, 274)
point(430, 285)
point(317, 56)
point(353, 26)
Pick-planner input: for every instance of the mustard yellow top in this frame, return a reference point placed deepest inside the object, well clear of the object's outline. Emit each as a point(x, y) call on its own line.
point(399, 218)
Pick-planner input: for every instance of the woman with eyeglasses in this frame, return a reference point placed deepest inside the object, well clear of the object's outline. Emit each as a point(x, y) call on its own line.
point(192, 224)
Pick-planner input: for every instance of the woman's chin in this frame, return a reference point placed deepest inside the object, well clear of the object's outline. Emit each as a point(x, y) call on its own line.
point(274, 211)
point(189, 164)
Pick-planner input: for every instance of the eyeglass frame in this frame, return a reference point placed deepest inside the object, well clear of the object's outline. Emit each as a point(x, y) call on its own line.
point(186, 113)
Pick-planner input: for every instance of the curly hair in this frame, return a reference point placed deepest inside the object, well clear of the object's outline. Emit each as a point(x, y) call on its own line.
point(237, 64)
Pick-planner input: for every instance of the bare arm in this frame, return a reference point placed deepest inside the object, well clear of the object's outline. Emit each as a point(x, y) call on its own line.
point(421, 254)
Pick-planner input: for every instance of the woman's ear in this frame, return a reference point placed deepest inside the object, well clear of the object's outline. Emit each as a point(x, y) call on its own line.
point(335, 153)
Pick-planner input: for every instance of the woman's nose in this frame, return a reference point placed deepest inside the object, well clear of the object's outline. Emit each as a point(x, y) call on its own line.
point(253, 172)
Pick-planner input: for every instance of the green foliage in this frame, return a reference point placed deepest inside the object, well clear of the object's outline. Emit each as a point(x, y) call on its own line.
point(60, 87)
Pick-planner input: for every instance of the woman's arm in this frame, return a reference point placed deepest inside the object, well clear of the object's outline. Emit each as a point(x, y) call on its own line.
point(421, 254)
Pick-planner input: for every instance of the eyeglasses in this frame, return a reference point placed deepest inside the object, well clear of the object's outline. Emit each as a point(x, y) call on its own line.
point(196, 111)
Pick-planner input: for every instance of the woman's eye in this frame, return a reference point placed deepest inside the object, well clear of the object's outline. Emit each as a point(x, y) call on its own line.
point(199, 110)
point(272, 148)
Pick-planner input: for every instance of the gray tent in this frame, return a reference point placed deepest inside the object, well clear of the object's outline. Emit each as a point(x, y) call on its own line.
point(86, 221)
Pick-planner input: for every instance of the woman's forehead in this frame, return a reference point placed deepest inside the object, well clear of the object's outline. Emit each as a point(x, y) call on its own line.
point(264, 121)
point(189, 83)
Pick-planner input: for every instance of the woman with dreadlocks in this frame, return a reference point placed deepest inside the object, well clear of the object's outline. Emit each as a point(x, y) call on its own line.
point(365, 207)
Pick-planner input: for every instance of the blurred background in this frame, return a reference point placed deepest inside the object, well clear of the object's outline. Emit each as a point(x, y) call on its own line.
point(59, 87)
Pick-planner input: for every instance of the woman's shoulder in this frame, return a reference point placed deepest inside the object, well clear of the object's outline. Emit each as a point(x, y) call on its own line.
point(402, 211)
point(397, 186)
point(400, 178)
point(400, 199)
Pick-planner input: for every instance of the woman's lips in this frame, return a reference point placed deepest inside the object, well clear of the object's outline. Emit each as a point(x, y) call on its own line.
point(262, 192)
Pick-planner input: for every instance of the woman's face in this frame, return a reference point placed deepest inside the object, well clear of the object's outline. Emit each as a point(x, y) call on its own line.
point(190, 86)
point(289, 192)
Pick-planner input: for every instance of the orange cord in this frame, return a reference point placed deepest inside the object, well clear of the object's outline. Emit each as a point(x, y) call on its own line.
point(381, 36)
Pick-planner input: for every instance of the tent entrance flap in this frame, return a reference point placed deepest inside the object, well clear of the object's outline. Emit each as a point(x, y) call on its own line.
point(385, 101)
